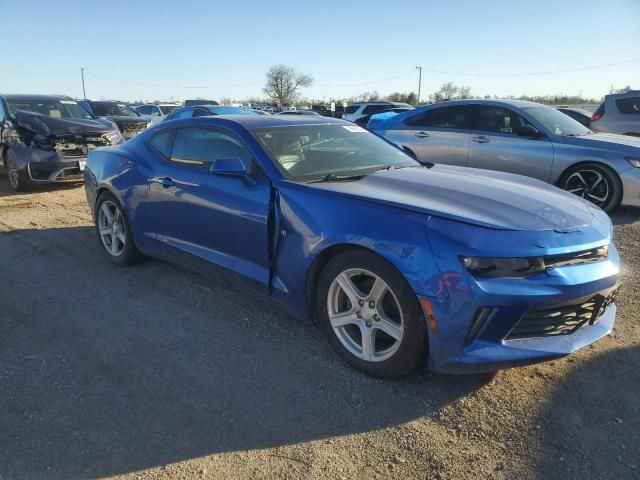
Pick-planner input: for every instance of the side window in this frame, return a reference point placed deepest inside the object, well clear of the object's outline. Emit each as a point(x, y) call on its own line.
point(200, 147)
point(201, 112)
point(445, 117)
point(144, 110)
point(374, 108)
point(186, 113)
point(629, 106)
point(163, 142)
point(351, 109)
point(499, 120)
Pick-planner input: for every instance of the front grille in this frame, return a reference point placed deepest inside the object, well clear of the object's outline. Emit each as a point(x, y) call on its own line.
point(78, 145)
point(562, 319)
point(576, 258)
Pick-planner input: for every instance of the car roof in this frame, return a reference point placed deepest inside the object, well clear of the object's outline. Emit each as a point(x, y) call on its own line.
point(28, 96)
point(261, 121)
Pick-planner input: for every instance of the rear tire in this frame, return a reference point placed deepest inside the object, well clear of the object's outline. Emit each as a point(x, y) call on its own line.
point(381, 333)
point(594, 182)
point(114, 232)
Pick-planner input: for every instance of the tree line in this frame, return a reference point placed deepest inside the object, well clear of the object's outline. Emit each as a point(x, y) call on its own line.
point(284, 85)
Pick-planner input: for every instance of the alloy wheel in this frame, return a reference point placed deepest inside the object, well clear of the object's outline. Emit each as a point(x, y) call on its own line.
point(590, 185)
point(365, 315)
point(112, 228)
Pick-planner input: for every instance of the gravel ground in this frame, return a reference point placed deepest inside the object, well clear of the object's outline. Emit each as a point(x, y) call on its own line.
point(155, 372)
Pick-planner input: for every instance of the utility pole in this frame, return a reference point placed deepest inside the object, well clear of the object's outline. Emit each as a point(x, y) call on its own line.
point(84, 94)
point(419, 82)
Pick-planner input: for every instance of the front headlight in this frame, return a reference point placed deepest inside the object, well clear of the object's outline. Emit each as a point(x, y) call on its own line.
point(149, 124)
point(635, 162)
point(487, 267)
point(115, 138)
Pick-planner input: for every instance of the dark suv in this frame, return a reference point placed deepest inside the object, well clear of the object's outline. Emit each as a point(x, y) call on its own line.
point(44, 138)
point(126, 118)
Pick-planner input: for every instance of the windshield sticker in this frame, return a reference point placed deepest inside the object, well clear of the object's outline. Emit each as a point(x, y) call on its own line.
point(354, 128)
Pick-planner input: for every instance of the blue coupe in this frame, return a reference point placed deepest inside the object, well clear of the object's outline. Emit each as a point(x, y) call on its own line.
point(400, 263)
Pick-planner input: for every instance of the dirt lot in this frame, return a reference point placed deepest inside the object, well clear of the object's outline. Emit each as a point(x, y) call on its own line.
point(155, 372)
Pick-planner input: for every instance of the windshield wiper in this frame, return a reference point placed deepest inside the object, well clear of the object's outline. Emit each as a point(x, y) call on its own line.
point(336, 178)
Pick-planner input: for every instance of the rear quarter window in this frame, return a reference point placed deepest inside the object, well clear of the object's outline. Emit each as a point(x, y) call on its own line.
point(629, 106)
point(163, 143)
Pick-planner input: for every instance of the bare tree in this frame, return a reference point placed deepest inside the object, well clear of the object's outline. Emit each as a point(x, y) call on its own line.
point(284, 83)
point(449, 91)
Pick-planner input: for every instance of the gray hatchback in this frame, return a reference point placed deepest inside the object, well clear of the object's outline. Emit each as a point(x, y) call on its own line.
point(525, 138)
point(619, 113)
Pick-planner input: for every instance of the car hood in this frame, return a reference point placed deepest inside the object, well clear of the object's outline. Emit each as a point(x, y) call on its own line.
point(480, 197)
point(610, 141)
point(45, 125)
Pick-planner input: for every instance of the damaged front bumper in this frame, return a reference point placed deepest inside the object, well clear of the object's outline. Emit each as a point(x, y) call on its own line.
point(61, 156)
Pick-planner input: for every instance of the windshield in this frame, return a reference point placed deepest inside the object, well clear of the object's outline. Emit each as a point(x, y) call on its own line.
point(104, 109)
point(309, 152)
point(167, 109)
point(556, 121)
point(50, 108)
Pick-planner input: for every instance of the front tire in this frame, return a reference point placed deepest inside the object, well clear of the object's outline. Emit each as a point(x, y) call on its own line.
point(114, 232)
point(594, 182)
point(370, 315)
point(18, 178)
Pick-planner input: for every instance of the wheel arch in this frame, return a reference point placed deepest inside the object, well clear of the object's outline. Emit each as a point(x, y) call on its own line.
point(563, 174)
point(321, 260)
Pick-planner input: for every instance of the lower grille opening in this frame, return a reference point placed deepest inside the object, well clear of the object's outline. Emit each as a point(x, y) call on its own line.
point(562, 319)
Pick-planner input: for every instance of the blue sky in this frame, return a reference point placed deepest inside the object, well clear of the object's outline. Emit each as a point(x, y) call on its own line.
point(349, 46)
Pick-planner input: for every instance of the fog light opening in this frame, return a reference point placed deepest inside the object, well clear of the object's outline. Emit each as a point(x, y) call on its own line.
point(479, 321)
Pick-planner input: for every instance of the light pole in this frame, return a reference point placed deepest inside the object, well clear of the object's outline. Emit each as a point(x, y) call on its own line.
point(419, 82)
point(84, 94)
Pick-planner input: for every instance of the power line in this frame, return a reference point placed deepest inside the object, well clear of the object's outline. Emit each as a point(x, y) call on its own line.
point(525, 74)
point(411, 72)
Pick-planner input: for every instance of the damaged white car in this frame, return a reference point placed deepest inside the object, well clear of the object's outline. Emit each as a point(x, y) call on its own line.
point(44, 138)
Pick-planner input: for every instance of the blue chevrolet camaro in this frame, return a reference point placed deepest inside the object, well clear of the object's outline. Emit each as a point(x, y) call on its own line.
point(399, 263)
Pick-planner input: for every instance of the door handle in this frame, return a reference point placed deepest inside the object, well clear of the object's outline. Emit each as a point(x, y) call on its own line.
point(166, 182)
point(422, 134)
point(481, 139)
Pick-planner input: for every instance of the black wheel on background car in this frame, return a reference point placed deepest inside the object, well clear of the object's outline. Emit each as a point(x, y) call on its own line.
point(371, 315)
point(18, 177)
point(594, 182)
point(114, 231)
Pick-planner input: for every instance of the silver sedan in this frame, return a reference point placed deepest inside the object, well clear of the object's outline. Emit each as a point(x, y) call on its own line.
point(525, 138)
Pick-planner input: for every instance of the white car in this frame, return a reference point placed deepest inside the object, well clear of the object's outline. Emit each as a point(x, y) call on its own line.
point(358, 110)
point(156, 112)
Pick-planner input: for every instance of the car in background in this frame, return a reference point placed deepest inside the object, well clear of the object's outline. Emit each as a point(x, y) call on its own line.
point(525, 138)
point(618, 113)
point(155, 112)
point(299, 112)
point(208, 110)
point(126, 118)
point(578, 114)
point(44, 138)
point(364, 121)
point(400, 264)
point(193, 103)
point(357, 110)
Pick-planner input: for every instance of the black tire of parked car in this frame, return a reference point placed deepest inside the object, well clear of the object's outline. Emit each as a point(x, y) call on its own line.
point(613, 183)
point(130, 253)
point(18, 177)
point(413, 348)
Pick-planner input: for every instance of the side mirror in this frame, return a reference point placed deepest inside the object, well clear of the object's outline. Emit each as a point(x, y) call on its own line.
point(232, 167)
point(528, 131)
